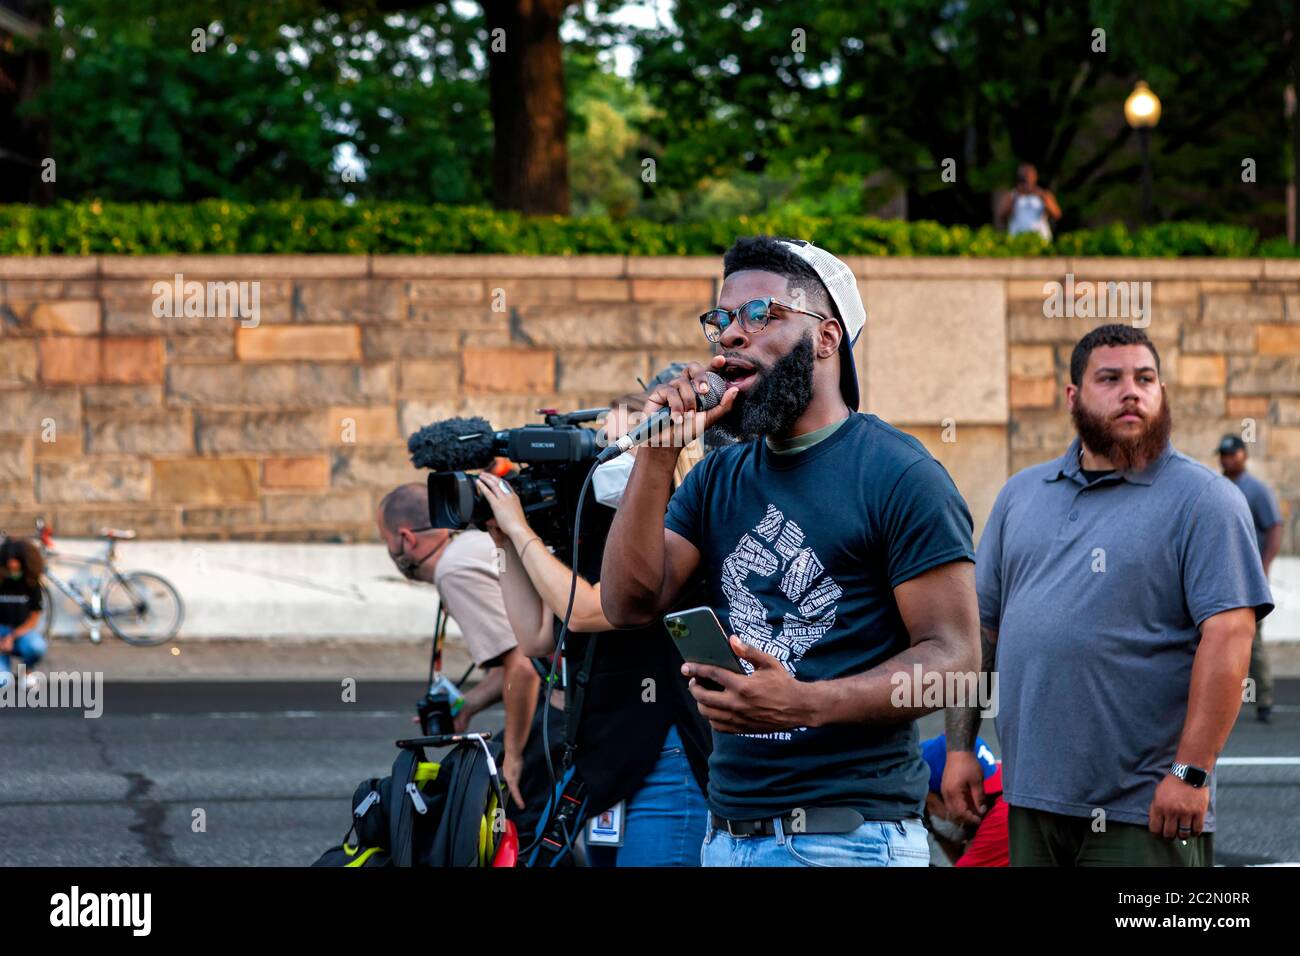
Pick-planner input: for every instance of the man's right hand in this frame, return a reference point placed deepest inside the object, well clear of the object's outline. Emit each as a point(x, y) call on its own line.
point(460, 723)
point(680, 397)
point(962, 787)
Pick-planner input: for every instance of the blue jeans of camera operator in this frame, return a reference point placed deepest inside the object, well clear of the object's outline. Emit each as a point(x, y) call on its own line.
point(664, 819)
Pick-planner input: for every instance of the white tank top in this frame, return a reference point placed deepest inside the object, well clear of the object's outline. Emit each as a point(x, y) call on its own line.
point(1029, 214)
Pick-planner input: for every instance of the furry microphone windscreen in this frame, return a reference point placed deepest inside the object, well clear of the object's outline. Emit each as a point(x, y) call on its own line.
point(456, 444)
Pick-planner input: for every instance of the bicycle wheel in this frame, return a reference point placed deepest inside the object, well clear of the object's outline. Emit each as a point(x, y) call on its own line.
point(142, 608)
point(47, 611)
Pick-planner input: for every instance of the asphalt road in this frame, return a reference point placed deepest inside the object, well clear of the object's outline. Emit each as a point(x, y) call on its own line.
point(272, 766)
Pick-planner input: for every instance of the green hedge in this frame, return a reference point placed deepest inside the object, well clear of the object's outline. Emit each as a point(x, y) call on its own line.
point(319, 226)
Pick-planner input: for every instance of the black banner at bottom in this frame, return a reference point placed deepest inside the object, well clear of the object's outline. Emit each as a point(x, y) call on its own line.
point(234, 905)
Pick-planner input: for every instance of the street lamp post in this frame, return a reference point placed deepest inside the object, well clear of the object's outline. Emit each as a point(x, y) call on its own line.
point(1142, 110)
point(1144, 144)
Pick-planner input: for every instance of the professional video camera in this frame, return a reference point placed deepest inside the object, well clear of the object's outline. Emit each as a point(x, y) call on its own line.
point(555, 459)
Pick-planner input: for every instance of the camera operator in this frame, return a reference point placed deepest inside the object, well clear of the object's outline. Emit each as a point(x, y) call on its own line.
point(640, 737)
point(462, 566)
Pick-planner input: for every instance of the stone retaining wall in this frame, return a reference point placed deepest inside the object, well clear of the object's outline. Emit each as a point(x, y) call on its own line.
point(291, 427)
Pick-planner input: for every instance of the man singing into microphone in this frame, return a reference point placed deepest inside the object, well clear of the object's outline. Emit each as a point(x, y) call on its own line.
point(834, 548)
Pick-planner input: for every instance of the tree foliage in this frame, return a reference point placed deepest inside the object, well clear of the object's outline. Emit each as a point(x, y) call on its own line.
point(833, 96)
point(280, 99)
point(745, 107)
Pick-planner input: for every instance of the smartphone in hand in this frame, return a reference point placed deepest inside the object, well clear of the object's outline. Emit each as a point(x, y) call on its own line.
point(701, 640)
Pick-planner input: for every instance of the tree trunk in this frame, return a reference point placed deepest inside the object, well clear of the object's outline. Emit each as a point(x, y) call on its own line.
point(24, 140)
point(1293, 119)
point(530, 161)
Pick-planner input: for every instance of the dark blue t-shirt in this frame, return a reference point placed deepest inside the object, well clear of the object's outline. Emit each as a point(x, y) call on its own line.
point(801, 554)
point(1263, 506)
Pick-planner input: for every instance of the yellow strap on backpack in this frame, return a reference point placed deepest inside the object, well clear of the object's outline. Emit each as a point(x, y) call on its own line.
point(361, 860)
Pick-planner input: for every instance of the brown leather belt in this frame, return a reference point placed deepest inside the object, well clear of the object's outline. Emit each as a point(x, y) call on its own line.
point(811, 820)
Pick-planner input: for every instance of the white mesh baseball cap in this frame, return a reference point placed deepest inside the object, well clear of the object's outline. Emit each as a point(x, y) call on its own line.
point(843, 288)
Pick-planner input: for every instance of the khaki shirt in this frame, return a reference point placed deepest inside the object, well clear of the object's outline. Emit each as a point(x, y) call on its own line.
point(466, 578)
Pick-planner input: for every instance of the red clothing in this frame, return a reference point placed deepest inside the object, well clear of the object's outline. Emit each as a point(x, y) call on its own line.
point(991, 844)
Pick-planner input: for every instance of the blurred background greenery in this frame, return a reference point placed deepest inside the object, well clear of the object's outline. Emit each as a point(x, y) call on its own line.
point(838, 108)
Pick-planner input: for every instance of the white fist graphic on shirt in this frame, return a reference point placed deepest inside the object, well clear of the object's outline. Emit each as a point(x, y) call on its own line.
point(775, 548)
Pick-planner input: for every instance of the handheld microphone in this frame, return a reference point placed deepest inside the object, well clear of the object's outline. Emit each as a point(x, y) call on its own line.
point(663, 418)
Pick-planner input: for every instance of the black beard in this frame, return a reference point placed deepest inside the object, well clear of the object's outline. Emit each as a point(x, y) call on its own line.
point(773, 403)
point(1126, 454)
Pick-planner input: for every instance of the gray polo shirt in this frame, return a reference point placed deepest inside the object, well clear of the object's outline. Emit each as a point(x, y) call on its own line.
point(1264, 511)
point(1097, 593)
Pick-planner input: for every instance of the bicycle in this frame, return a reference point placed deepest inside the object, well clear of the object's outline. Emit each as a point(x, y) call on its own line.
point(140, 607)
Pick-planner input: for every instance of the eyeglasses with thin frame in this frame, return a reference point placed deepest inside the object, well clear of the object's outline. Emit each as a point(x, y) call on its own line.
point(753, 317)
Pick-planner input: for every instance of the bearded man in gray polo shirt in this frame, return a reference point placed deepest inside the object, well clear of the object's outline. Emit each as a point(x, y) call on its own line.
point(1119, 587)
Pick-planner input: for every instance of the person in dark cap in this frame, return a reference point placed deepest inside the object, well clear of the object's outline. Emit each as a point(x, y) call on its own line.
point(1268, 530)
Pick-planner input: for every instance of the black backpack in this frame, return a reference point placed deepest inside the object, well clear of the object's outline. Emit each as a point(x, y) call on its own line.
point(437, 814)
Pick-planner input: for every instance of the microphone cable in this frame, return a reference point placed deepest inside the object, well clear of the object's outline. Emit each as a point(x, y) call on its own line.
point(555, 662)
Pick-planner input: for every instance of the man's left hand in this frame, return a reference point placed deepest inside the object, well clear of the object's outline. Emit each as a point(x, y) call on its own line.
point(1178, 810)
point(768, 699)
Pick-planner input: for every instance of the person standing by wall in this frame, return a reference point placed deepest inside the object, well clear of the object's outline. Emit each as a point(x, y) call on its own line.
point(1028, 207)
point(1268, 531)
point(1119, 586)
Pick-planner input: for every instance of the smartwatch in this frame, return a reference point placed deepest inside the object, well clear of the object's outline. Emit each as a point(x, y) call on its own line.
point(1192, 776)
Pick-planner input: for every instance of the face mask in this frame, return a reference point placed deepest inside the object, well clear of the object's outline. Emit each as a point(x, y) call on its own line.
point(609, 479)
point(407, 567)
point(411, 568)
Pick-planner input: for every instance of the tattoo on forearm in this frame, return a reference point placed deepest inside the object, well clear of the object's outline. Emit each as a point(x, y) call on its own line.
point(961, 724)
point(988, 649)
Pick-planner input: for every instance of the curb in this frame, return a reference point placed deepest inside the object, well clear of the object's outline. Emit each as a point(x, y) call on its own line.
point(256, 660)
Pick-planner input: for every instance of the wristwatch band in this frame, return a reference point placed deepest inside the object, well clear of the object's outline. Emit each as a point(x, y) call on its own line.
point(1192, 776)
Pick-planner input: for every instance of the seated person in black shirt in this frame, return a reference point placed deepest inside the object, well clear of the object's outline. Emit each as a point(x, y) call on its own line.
point(20, 608)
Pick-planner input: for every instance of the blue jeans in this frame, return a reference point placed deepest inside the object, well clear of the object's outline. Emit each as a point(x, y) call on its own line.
point(663, 820)
point(875, 843)
point(30, 648)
